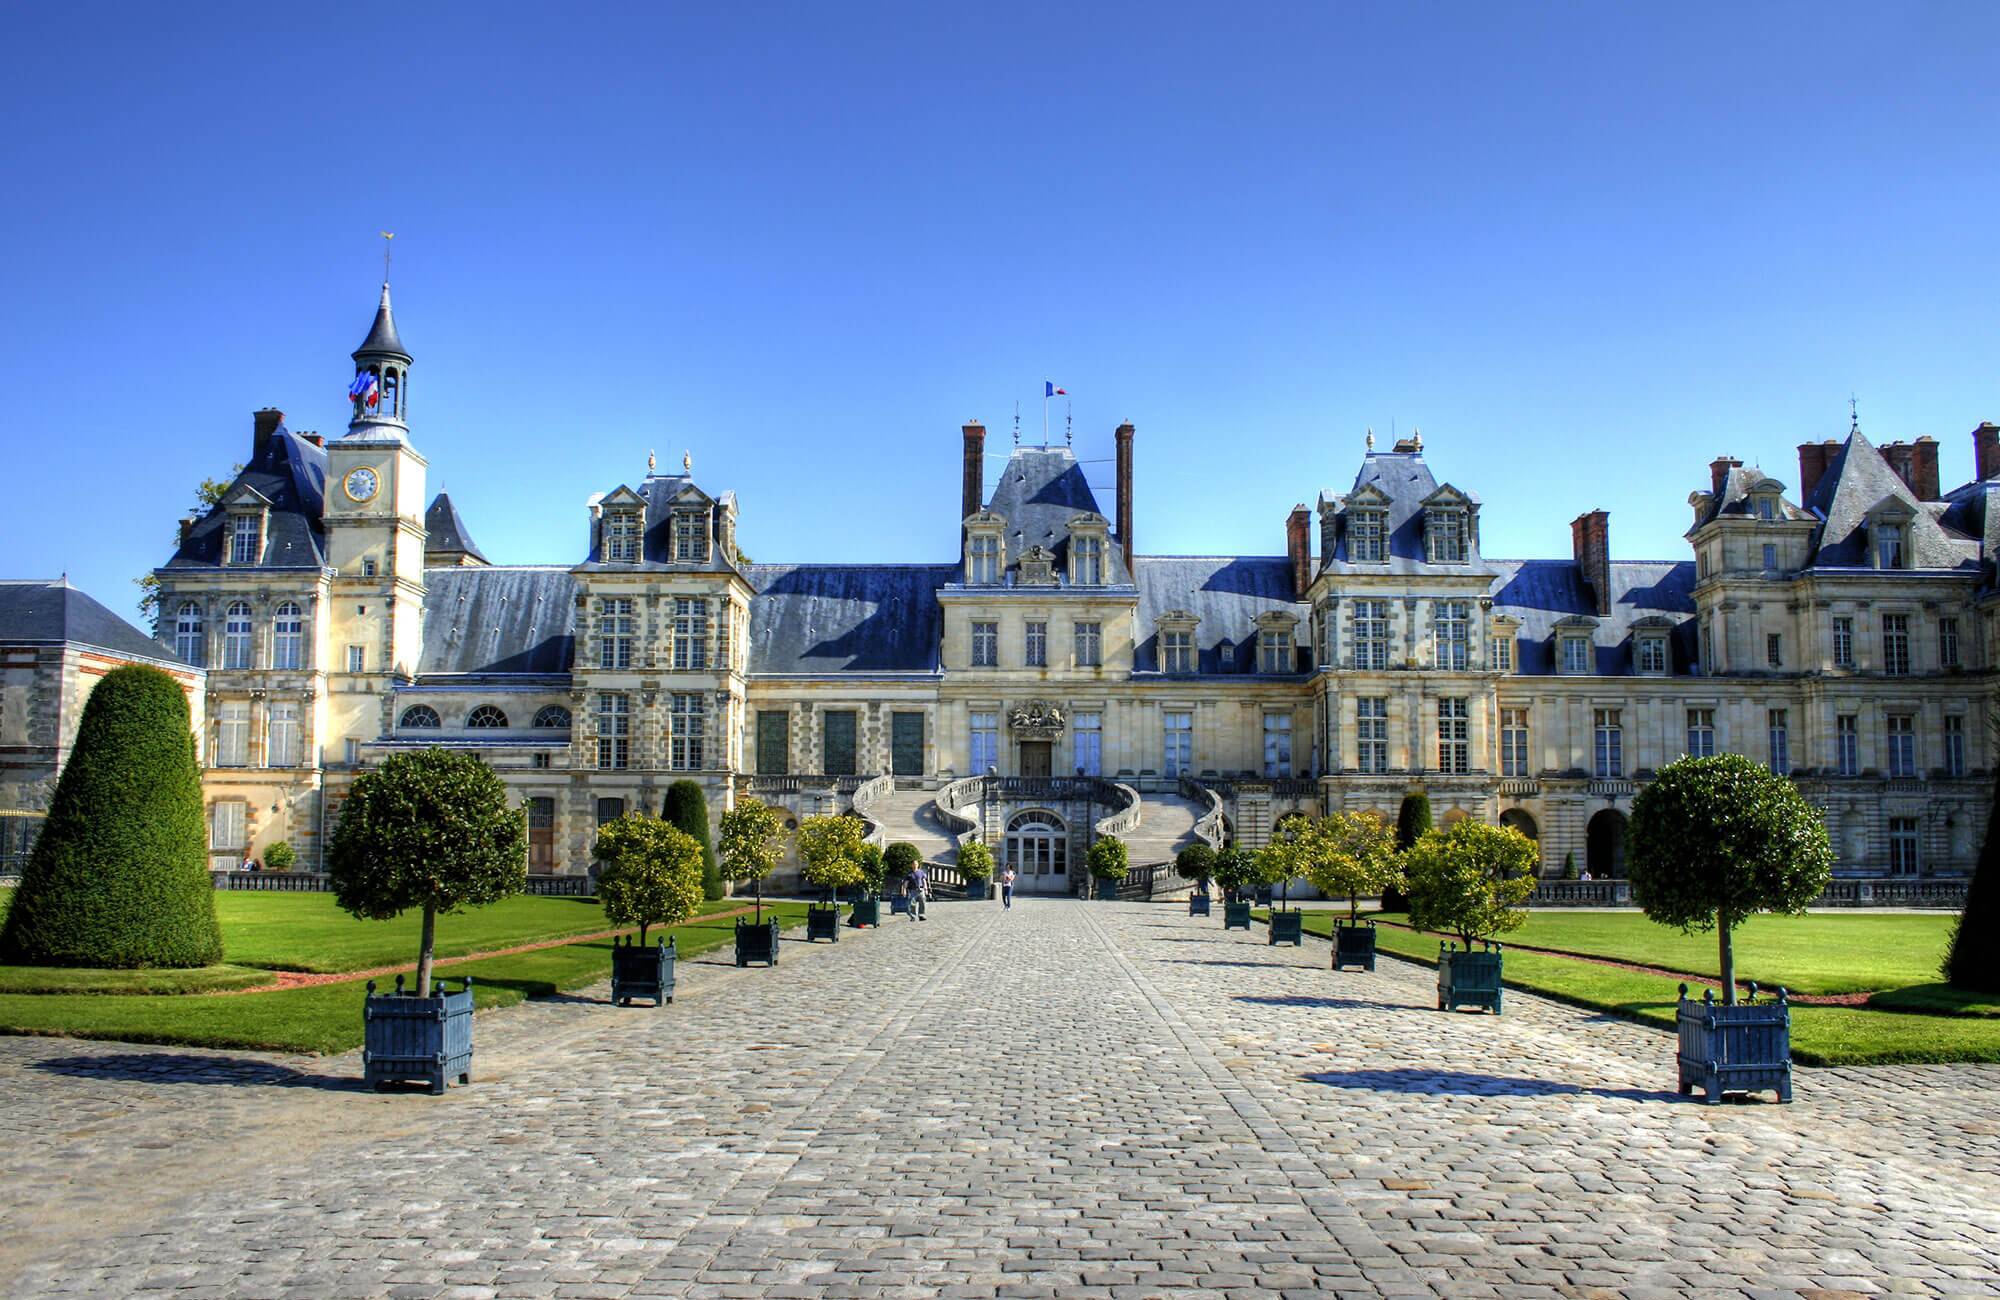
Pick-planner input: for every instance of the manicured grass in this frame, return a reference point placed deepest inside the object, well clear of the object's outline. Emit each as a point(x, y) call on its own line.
point(326, 1018)
point(65, 979)
point(1820, 1035)
point(1938, 999)
point(309, 932)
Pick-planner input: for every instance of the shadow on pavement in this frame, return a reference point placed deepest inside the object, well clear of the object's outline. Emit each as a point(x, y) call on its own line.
point(186, 1068)
point(1299, 1000)
point(1218, 961)
point(1470, 1084)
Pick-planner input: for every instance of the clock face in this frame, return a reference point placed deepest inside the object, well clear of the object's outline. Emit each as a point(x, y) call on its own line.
point(361, 484)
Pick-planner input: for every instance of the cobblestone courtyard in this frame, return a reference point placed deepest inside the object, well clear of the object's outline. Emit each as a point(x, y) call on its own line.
point(1068, 1099)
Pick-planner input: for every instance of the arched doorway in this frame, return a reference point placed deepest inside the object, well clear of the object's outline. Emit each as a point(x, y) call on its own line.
point(1037, 847)
point(1605, 845)
point(1520, 819)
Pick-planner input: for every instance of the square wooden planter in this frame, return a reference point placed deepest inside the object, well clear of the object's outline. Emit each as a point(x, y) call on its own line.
point(1288, 927)
point(641, 972)
point(1744, 1048)
point(823, 922)
point(1469, 979)
point(406, 1037)
point(899, 904)
point(1354, 945)
point(1106, 889)
point(976, 890)
point(1198, 905)
point(1236, 915)
point(865, 911)
point(756, 941)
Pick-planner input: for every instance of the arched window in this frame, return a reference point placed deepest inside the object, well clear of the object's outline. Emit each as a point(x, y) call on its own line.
point(553, 717)
point(1037, 847)
point(236, 636)
point(486, 715)
point(419, 715)
point(392, 392)
point(288, 638)
point(187, 633)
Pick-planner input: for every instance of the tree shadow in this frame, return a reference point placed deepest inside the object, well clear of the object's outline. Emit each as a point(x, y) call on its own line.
point(1299, 1000)
point(175, 1068)
point(1163, 939)
point(1466, 1083)
point(1219, 961)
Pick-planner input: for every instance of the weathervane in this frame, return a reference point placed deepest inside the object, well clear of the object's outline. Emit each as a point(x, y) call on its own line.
point(1854, 414)
point(687, 462)
point(1017, 422)
point(387, 247)
point(1371, 437)
point(1069, 420)
point(650, 462)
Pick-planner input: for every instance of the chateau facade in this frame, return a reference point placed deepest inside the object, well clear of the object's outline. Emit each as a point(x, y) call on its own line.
point(1840, 629)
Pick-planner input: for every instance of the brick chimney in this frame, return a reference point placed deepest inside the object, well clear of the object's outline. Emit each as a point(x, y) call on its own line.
point(1124, 439)
point(263, 427)
point(314, 439)
point(1590, 539)
point(1986, 450)
point(1298, 549)
point(1924, 469)
point(1718, 472)
point(1898, 454)
point(1813, 459)
point(974, 496)
point(187, 526)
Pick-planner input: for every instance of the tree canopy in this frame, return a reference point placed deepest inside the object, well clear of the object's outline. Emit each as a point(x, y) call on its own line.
point(651, 874)
point(831, 849)
point(1351, 854)
point(753, 843)
point(1195, 862)
point(1234, 868)
point(1467, 879)
point(975, 860)
point(1108, 858)
point(1973, 960)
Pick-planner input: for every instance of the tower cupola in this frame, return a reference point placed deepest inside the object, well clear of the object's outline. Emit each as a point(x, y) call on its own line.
point(380, 392)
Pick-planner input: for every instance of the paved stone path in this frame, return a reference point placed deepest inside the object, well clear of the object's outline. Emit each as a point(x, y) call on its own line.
point(1071, 1099)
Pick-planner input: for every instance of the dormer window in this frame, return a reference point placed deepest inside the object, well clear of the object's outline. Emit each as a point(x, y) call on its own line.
point(690, 537)
point(1274, 649)
point(1767, 507)
point(1444, 533)
point(1576, 654)
point(982, 561)
point(1177, 648)
point(1501, 640)
point(1651, 653)
point(1365, 537)
point(1889, 545)
point(245, 534)
point(1087, 561)
point(621, 537)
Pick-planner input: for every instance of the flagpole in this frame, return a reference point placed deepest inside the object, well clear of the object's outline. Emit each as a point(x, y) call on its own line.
point(1045, 414)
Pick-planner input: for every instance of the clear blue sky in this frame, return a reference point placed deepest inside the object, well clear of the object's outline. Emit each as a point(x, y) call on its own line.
point(1586, 247)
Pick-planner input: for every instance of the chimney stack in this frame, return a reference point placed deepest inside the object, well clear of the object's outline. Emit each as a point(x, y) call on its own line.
point(264, 426)
point(1924, 469)
point(1986, 450)
point(314, 439)
point(1124, 439)
point(1814, 457)
point(1718, 473)
point(187, 526)
point(1590, 539)
point(1298, 549)
point(1898, 456)
point(974, 496)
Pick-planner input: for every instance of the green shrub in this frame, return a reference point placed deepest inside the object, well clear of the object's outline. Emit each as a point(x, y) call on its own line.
point(687, 808)
point(831, 848)
point(975, 860)
point(1108, 859)
point(120, 876)
point(1234, 868)
point(874, 867)
point(1973, 960)
point(651, 874)
point(1569, 865)
point(1195, 862)
point(1412, 820)
point(900, 860)
point(753, 840)
point(280, 857)
point(1466, 880)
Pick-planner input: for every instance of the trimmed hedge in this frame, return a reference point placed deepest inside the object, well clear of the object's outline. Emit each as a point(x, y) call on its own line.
point(1974, 959)
point(119, 876)
point(1412, 820)
point(687, 808)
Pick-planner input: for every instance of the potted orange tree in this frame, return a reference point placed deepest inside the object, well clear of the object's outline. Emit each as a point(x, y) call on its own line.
point(753, 842)
point(1358, 859)
point(651, 875)
point(831, 847)
point(1466, 880)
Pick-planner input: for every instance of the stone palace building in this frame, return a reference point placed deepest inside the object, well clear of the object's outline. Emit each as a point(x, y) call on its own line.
point(1045, 679)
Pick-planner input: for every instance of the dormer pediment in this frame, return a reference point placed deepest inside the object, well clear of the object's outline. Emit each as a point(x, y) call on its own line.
point(1891, 510)
point(1446, 497)
point(622, 498)
point(692, 496)
point(1367, 497)
point(986, 521)
point(1576, 623)
point(244, 497)
point(1089, 521)
point(1277, 620)
point(1653, 623)
point(1177, 620)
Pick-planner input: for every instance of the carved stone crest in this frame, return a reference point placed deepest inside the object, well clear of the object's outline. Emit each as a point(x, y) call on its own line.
point(1037, 720)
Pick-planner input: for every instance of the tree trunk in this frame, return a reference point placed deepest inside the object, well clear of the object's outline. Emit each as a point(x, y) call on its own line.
point(1353, 910)
point(424, 953)
point(1728, 964)
point(760, 900)
point(642, 933)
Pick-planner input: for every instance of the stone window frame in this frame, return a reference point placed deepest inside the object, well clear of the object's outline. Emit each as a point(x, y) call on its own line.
point(983, 647)
point(1905, 847)
point(1954, 744)
point(1089, 547)
point(1948, 643)
point(1175, 629)
point(617, 632)
point(1087, 638)
point(1778, 740)
point(239, 636)
point(419, 717)
point(288, 647)
point(283, 731)
point(1700, 731)
point(232, 719)
point(190, 638)
point(688, 535)
point(244, 546)
point(1371, 734)
point(1454, 735)
point(1516, 740)
point(1847, 744)
point(1279, 767)
point(687, 731)
point(486, 717)
point(1607, 743)
point(552, 717)
point(1449, 615)
point(1035, 643)
point(985, 549)
point(690, 634)
point(613, 728)
point(1374, 634)
point(1899, 742)
point(624, 534)
point(1842, 628)
point(1897, 659)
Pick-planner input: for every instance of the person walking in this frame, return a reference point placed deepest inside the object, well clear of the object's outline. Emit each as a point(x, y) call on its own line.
point(919, 893)
point(1007, 889)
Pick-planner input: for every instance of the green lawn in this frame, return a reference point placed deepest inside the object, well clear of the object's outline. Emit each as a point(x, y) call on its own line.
point(1820, 1035)
point(309, 932)
point(326, 1018)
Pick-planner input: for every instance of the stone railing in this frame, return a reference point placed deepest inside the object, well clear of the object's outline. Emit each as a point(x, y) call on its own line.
point(1280, 788)
point(866, 795)
point(288, 882)
point(1208, 826)
point(961, 807)
point(1123, 818)
point(1605, 788)
point(1892, 891)
point(800, 783)
point(1520, 788)
point(1581, 893)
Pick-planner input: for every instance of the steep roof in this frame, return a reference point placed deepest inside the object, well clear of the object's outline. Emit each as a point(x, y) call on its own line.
point(1226, 592)
point(382, 334)
point(1403, 482)
point(1039, 492)
point(1542, 593)
point(446, 532)
point(498, 620)
point(41, 612)
point(1854, 484)
point(660, 492)
point(847, 618)
point(290, 473)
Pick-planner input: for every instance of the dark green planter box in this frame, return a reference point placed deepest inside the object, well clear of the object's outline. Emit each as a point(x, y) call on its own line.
point(641, 972)
point(408, 1038)
point(865, 911)
point(1197, 904)
point(756, 941)
point(823, 922)
point(1236, 916)
point(899, 904)
point(1744, 1048)
point(1107, 889)
point(975, 889)
point(1288, 927)
point(1354, 945)
point(1469, 979)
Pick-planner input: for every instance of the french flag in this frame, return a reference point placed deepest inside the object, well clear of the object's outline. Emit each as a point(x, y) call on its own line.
point(1050, 390)
point(362, 390)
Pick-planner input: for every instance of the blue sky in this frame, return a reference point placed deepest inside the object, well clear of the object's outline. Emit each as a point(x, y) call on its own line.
point(1585, 247)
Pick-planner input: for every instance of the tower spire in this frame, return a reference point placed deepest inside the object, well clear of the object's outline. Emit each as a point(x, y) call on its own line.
point(380, 391)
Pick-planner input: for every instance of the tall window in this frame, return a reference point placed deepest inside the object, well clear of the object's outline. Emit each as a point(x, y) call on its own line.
point(690, 536)
point(689, 720)
point(1770, 557)
point(1371, 634)
point(1901, 733)
point(1896, 644)
point(1088, 553)
point(357, 659)
point(281, 746)
point(1452, 626)
point(1903, 846)
point(1503, 649)
point(1847, 745)
point(614, 731)
point(1781, 742)
point(1446, 531)
point(288, 639)
point(1275, 648)
point(1177, 652)
point(232, 735)
point(227, 831)
point(1653, 654)
point(1514, 742)
point(1088, 729)
point(1364, 537)
point(1277, 745)
point(609, 809)
point(541, 833)
point(1947, 643)
point(621, 537)
point(1889, 546)
point(1371, 734)
point(1701, 733)
point(243, 532)
point(1774, 650)
point(1454, 756)
point(1576, 654)
point(1035, 645)
point(1610, 744)
point(1843, 643)
point(236, 636)
point(985, 748)
point(1954, 745)
point(985, 645)
point(1179, 743)
point(983, 559)
point(617, 630)
point(725, 635)
point(690, 632)
point(1089, 645)
point(187, 634)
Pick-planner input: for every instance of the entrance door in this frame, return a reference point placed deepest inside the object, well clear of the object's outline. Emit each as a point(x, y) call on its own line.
point(1037, 848)
point(1035, 757)
point(837, 744)
point(906, 744)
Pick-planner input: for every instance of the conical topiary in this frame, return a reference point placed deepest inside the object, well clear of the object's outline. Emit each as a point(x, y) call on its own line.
point(1973, 960)
point(687, 808)
point(120, 876)
point(1412, 820)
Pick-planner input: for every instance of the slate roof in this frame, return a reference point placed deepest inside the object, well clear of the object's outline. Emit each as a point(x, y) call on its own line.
point(1226, 592)
point(847, 618)
point(1039, 492)
point(1404, 478)
point(1857, 481)
point(382, 334)
point(1542, 593)
point(660, 491)
point(40, 612)
point(290, 473)
point(498, 620)
point(1734, 499)
point(445, 531)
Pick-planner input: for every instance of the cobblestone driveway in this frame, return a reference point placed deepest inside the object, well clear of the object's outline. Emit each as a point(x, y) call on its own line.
point(1068, 1099)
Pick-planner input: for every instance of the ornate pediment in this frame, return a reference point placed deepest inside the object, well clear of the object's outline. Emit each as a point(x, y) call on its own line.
point(1038, 567)
point(1037, 720)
